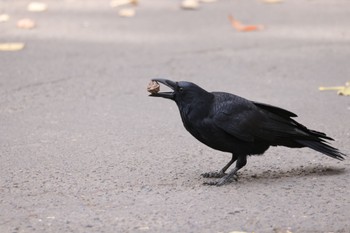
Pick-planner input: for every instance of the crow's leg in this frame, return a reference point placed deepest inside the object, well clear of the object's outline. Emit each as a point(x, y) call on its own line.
point(241, 162)
point(221, 173)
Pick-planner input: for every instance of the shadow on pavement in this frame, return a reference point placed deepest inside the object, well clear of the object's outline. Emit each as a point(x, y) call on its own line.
point(315, 170)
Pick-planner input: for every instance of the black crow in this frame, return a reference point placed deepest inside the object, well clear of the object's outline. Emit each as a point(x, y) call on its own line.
point(230, 123)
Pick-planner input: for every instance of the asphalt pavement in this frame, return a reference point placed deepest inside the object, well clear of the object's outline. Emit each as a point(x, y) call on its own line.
point(84, 149)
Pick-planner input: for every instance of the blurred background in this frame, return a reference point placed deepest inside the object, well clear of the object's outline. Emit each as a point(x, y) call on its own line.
point(83, 147)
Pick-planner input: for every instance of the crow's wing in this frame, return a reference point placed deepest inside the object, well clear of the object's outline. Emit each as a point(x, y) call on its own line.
point(238, 117)
point(275, 110)
point(249, 121)
point(281, 124)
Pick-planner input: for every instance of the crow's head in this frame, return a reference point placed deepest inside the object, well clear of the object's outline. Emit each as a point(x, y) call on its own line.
point(183, 92)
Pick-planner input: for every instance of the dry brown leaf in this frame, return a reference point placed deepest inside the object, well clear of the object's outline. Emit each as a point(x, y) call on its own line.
point(11, 46)
point(190, 4)
point(127, 12)
point(4, 18)
point(116, 3)
point(242, 27)
point(37, 7)
point(26, 23)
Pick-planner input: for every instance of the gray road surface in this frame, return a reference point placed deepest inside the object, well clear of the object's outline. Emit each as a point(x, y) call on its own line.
point(83, 149)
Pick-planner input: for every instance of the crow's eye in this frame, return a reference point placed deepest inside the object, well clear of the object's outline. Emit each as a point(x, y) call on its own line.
point(181, 89)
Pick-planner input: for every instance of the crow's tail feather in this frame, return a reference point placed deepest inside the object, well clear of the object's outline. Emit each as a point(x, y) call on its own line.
point(324, 148)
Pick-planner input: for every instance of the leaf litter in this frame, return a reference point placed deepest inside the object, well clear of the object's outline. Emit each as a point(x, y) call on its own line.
point(341, 90)
point(244, 27)
point(13, 46)
point(4, 18)
point(37, 7)
point(125, 12)
point(193, 4)
point(190, 4)
point(117, 3)
point(26, 23)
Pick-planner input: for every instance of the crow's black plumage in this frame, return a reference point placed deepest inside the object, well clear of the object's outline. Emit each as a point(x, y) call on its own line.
point(230, 123)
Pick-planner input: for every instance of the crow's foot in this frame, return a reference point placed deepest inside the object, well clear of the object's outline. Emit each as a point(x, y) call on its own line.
point(224, 180)
point(213, 174)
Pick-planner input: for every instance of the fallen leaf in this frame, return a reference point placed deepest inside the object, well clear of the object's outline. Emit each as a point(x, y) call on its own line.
point(341, 90)
point(37, 7)
point(11, 46)
point(127, 12)
point(4, 18)
point(242, 27)
point(345, 91)
point(116, 3)
point(272, 1)
point(25, 24)
point(190, 4)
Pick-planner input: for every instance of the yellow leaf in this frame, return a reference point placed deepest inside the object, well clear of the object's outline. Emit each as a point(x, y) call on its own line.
point(190, 4)
point(127, 12)
point(37, 7)
point(341, 90)
point(4, 18)
point(11, 46)
point(345, 91)
point(116, 3)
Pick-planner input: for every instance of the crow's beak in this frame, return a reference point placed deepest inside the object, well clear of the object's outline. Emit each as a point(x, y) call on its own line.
point(169, 83)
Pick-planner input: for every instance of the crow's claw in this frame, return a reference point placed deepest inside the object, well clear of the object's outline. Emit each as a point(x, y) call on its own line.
point(212, 183)
point(224, 180)
point(213, 175)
